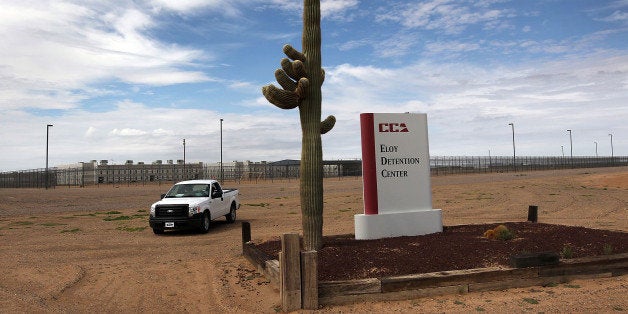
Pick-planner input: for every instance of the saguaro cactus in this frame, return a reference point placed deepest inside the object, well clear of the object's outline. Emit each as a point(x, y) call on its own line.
point(301, 78)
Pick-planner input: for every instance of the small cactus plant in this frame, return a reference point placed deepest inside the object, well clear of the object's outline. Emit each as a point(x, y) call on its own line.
point(489, 234)
point(500, 232)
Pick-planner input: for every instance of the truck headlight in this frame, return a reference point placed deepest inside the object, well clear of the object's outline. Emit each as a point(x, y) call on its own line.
point(194, 209)
point(152, 211)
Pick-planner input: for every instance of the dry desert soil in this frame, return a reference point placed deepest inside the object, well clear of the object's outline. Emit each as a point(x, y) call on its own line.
point(90, 249)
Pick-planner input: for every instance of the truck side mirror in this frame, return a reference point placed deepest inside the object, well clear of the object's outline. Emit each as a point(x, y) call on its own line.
point(163, 195)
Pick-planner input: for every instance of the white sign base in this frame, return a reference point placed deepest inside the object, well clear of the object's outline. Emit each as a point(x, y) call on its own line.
point(389, 225)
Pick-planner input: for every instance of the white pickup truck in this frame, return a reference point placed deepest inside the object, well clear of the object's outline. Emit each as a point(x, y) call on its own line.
point(192, 205)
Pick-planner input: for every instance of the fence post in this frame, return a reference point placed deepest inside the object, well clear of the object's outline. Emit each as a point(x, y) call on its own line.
point(290, 272)
point(246, 232)
point(533, 211)
point(309, 280)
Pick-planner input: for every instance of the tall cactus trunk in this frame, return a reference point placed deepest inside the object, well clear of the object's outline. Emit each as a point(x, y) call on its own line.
point(311, 146)
point(301, 80)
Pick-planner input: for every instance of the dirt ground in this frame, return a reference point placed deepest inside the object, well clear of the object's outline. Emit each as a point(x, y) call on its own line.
point(90, 249)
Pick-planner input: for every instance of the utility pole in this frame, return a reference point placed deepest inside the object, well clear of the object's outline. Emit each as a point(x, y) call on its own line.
point(612, 153)
point(48, 126)
point(570, 147)
point(595, 149)
point(184, 173)
point(222, 174)
point(514, 155)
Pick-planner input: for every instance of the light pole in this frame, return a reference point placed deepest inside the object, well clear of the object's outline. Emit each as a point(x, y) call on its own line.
point(514, 155)
point(490, 162)
point(222, 174)
point(612, 153)
point(48, 126)
point(562, 150)
point(595, 149)
point(570, 147)
point(184, 174)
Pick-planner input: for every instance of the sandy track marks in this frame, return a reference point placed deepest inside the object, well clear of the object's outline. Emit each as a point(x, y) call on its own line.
point(40, 285)
point(164, 287)
point(241, 289)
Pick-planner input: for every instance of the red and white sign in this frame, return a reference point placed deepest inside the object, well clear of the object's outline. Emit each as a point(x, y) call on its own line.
point(396, 174)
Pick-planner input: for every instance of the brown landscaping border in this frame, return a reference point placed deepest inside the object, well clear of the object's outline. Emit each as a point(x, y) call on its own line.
point(445, 282)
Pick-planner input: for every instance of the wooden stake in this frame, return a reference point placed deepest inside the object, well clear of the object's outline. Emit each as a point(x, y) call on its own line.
point(309, 279)
point(246, 232)
point(533, 213)
point(290, 272)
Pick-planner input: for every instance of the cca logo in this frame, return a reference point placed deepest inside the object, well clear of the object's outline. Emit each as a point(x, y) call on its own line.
point(393, 127)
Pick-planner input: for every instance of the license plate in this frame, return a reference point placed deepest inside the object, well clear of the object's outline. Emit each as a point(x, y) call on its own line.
point(170, 225)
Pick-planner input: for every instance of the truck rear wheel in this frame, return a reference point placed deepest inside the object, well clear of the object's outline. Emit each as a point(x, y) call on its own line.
point(231, 216)
point(205, 223)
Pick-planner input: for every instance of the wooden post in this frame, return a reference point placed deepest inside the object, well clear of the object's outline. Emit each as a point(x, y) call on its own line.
point(533, 213)
point(290, 272)
point(309, 280)
point(246, 232)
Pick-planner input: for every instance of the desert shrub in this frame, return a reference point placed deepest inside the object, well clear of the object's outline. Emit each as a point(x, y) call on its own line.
point(607, 249)
point(489, 234)
point(500, 229)
point(567, 251)
point(505, 235)
point(500, 232)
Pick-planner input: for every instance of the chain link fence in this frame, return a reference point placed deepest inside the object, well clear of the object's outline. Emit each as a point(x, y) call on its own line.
point(139, 174)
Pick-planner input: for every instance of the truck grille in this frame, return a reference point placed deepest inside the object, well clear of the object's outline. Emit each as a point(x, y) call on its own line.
point(171, 211)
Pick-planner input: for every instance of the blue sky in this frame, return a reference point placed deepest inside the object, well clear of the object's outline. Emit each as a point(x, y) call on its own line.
point(126, 80)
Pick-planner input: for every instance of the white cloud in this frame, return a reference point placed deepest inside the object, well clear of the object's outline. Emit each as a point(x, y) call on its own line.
point(135, 131)
point(225, 7)
point(468, 106)
point(617, 16)
point(450, 16)
point(127, 132)
point(90, 131)
point(451, 46)
point(55, 50)
point(336, 9)
point(468, 109)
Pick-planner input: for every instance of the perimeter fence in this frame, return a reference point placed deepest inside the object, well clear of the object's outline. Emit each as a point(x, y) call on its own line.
point(90, 174)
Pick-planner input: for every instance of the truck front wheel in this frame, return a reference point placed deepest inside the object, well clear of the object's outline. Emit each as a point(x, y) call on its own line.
point(205, 223)
point(231, 216)
point(158, 231)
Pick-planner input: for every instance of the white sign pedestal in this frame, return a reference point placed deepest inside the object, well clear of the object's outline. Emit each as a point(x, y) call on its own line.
point(396, 175)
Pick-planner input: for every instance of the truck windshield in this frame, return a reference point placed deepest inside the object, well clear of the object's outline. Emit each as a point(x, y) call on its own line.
point(189, 190)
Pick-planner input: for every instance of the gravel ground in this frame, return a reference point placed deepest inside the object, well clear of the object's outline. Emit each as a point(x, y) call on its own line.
point(90, 249)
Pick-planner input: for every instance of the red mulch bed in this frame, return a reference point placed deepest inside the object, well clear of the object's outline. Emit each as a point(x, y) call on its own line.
point(457, 247)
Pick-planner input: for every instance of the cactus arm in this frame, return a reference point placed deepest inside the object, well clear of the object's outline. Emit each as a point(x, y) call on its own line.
point(299, 69)
point(283, 80)
point(328, 124)
point(293, 53)
point(281, 98)
point(302, 86)
point(294, 69)
point(286, 65)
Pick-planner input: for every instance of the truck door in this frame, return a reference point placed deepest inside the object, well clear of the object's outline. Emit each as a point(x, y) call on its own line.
point(219, 206)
